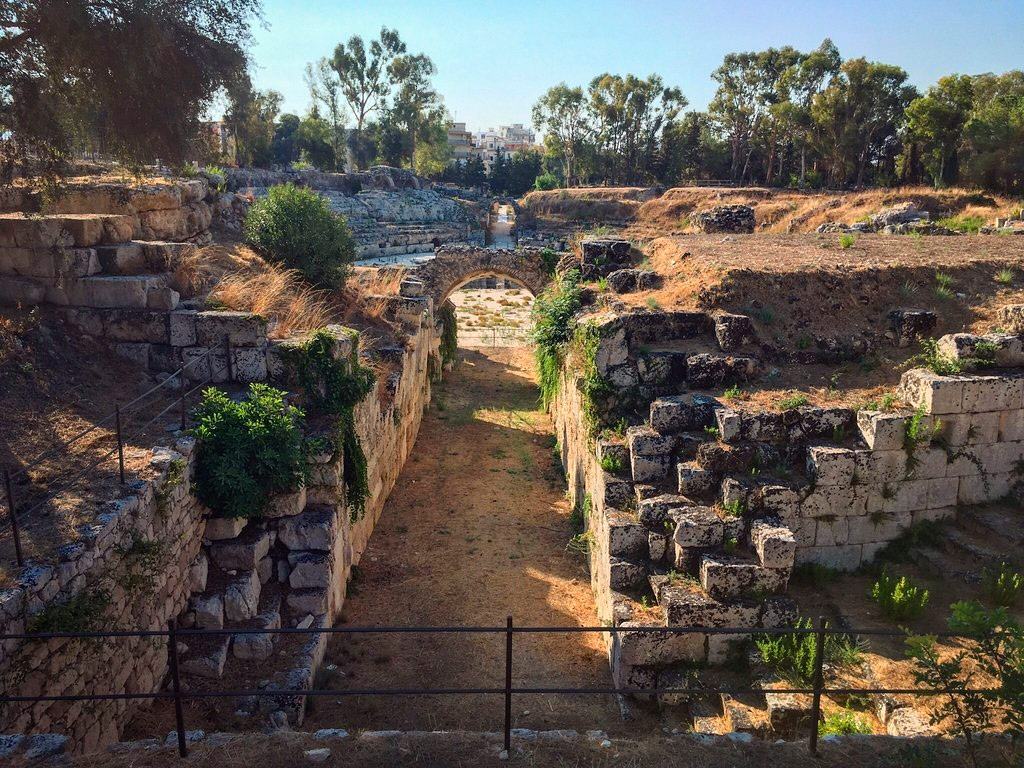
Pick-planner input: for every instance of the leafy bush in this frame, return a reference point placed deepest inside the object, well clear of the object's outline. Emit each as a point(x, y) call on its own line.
point(545, 182)
point(898, 598)
point(794, 401)
point(793, 655)
point(844, 723)
point(549, 261)
point(449, 333)
point(935, 361)
point(553, 329)
point(247, 451)
point(82, 613)
point(1003, 586)
point(296, 227)
point(611, 464)
point(845, 241)
point(969, 224)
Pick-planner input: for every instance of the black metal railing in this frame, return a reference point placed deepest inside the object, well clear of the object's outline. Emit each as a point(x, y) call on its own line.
point(176, 693)
point(121, 419)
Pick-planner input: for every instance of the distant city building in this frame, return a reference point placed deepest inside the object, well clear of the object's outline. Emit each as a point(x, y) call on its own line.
point(487, 144)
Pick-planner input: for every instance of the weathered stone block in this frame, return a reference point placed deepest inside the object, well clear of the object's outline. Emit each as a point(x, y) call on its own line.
point(830, 466)
point(671, 414)
point(882, 431)
point(697, 527)
point(649, 648)
point(209, 611)
point(287, 504)
point(627, 539)
point(844, 558)
point(992, 393)
point(725, 577)
point(309, 570)
point(218, 528)
point(773, 542)
point(242, 597)
point(242, 553)
point(694, 480)
point(626, 575)
point(242, 329)
point(936, 394)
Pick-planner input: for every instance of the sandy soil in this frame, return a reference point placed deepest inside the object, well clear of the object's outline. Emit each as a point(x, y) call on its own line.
point(474, 531)
point(493, 316)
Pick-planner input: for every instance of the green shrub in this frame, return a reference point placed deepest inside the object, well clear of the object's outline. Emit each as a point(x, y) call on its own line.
point(296, 227)
point(549, 261)
point(793, 654)
point(82, 613)
point(844, 723)
point(545, 182)
point(1004, 277)
point(969, 224)
point(449, 333)
point(898, 598)
point(931, 358)
point(794, 401)
point(553, 329)
point(611, 464)
point(1003, 586)
point(845, 241)
point(247, 451)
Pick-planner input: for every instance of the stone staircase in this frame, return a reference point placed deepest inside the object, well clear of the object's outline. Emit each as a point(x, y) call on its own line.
point(979, 540)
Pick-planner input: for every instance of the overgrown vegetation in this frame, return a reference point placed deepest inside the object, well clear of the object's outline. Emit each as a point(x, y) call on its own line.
point(592, 387)
point(553, 311)
point(82, 613)
point(793, 401)
point(898, 598)
point(295, 226)
point(449, 333)
point(793, 655)
point(844, 722)
point(968, 224)
point(247, 451)
point(611, 464)
point(1003, 586)
point(333, 388)
point(931, 358)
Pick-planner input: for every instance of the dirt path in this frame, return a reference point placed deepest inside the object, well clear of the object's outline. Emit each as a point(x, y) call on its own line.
point(474, 531)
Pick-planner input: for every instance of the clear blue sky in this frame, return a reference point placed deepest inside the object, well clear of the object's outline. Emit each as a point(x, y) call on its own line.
point(495, 58)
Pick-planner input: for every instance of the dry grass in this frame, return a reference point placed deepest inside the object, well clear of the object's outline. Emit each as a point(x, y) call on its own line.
point(280, 295)
point(775, 210)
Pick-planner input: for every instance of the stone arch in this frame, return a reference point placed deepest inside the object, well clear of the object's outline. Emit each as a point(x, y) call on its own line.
point(455, 265)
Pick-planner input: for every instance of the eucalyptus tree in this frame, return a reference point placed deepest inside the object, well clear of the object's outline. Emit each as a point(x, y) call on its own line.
point(562, 114)
point(937, 120)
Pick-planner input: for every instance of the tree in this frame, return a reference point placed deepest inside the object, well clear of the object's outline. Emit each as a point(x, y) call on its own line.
point(313, 140)
point(433, 153)
point(364, 77)
point(859, 115)
point(937, 120)
point(134, 78)
point(253, 115)
point(415, 111)
point(283, 147)
point(995, 133)
point(325, 89)
point(805, 81)
point(561, 112)
point(474, 173)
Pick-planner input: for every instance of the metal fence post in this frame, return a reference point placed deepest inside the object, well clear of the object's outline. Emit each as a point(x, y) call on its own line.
point(227, 351)
point(120, 442)
point(181, 394)
point(508, 684)
point(819, 661)
point(179, 716)
point(14, 518)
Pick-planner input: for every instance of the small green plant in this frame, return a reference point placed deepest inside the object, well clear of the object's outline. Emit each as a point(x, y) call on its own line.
point(581, 543)
point(815, 574)
point(711, 431)
point(295, 226)
point(846, 241)
point(247, 451)
point(944, 285)
point(1004, 277)
point(898, 598)
point(793, 654)
point(919, 430)
point(793, 401)
point(1003, 586)
point(82, 613)
point(931, 358)
point(652, 303)
point(838, 433)
point(449, 333)
point(602, 284)
point(611, 464)
point(731, 545)
point(735, 508)
point(967, 224)
point(844, 723)
point(734, 393)
point(553, 329)
point(546, 182)
point(580, 514)
point(909, 288)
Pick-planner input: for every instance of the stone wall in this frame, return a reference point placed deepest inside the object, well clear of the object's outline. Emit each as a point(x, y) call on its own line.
point(707, 506)
point(160, 555)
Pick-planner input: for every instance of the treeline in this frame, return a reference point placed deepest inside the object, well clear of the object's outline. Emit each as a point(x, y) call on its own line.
point(512, 175)
point(788, 118)
point(397, 118)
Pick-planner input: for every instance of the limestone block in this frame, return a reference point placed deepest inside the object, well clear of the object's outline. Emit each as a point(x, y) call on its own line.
point(729, 425)
point(805, 531)
point(307, 601)
point(694, 480)
point(612, 351)
point(287, 504)
point(829, 465)
point(697, 527)
point(833, 501)
point(182, 328)
point(931, 515)
point(979, 489)
point(258, 646)
point(844, 558)
point(773, 542)
point(627, 539)
point(669, 415)
point(28, 262)
point(942, 492)
point(881, 466)
point(626, 575)
point(1011, 426)
point(136, 351)
point(1002, 457)
point(1011, 317)
point(309, 570)
point(162, 299)
point(132, 324)
point(111, 291)
point(218, 528)
point(197, 574)
point(882, 431)
point(121, 259)
point(19, 230)
point(778, 611)
point(691, 607)
point(965, 461)
point(209, 611)
point(242, 329)
point(248, 364)
point(726, 577)
point(242, 553)
point(657, 546)
point(992, 393)
point(936, 394)
point(648, 648)
point(832, 532)
point(780, 500)
point(242, 597)
point(209, 659)
point(864, 530)
point(655, 510)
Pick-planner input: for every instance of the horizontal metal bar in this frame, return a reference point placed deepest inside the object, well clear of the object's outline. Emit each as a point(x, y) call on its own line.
point(606, 691)
point(355, 630)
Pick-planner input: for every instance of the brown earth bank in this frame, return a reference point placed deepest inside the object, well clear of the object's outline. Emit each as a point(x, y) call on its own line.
point(645, 212)
point(469, 750)
point(475, 531)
